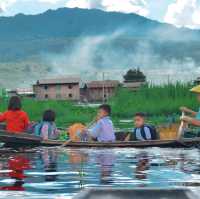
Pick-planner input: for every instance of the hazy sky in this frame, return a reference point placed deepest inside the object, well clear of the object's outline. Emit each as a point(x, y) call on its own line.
point(177, 12)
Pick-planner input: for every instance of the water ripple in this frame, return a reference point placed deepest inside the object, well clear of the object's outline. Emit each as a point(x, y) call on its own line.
point(61, 173)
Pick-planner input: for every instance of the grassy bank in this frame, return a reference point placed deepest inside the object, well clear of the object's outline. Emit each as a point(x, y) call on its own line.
point(158, 101)
point(66, 112)
point(154, 100)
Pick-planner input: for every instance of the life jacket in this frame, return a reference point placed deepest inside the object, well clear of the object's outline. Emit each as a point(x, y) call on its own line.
point(141, 134)
point(37, 127)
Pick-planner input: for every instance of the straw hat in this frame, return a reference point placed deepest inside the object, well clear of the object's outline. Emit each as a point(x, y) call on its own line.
point(195, 89)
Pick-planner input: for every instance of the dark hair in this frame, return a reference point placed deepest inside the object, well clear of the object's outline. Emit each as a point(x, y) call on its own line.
point(14, 104)
point(49, 116)
point(106, 108)
point(140, 114)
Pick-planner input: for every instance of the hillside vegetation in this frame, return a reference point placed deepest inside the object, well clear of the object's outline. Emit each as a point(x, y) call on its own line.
point(37, 45)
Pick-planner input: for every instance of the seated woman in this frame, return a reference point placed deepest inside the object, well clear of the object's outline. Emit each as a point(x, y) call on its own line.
point(47, 127)
point(194, 118)
point(142, 130)
point(16, 119)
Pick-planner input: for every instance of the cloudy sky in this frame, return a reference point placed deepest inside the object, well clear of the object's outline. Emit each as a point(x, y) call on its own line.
point(178, 12)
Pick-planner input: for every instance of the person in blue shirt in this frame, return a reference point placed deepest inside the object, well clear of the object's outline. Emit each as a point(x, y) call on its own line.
point(142, 131)
point(103, 129)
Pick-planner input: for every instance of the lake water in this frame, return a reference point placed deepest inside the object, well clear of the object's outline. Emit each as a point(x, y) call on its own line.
point(61, 173)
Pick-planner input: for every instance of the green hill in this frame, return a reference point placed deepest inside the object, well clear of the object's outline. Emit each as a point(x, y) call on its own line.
point(32, 46)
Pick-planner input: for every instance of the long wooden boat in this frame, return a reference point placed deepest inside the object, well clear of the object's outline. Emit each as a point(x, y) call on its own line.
point(27, 140)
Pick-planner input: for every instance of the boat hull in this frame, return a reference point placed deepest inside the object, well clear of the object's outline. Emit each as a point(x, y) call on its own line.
point(26, 140)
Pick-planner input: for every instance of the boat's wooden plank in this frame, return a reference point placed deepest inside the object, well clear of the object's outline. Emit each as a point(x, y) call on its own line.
point(108, 144)
point(22, 139)
point(52, 143)
point(27, 139)
point(20, 136)
point(124, 144)
point(113, 144)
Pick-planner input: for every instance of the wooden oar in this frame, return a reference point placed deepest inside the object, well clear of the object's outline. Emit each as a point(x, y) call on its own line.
point(87, 127)
point(180, 130)
point(65, 143)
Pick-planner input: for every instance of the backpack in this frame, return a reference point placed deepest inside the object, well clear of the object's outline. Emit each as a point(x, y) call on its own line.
point(153, 131)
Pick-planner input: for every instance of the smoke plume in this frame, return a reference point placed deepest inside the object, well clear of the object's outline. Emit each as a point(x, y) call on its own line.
point(112, 54)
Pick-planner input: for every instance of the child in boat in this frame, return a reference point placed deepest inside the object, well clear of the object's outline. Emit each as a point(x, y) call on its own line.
point(47, 127)
point(103, 130)
point(15, 118)
point(194, 117)
point(142, 130)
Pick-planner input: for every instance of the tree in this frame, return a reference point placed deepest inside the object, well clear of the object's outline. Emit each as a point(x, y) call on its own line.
point(134, 75)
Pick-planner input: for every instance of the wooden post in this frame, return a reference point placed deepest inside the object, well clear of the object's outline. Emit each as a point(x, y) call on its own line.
point(103, 89)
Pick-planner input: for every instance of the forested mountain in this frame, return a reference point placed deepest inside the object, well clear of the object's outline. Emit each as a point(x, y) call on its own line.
point(33, 45)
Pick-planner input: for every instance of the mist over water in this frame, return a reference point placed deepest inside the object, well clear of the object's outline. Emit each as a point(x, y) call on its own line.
point(89, 56)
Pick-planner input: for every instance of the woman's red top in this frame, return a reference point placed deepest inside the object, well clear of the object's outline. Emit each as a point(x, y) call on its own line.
point(16, 121)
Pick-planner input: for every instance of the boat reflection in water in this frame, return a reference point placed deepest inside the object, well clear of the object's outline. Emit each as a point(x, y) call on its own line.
point(58, 172)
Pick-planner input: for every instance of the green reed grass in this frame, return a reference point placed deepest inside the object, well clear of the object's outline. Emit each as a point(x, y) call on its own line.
point(158, 101)
point(66, 112)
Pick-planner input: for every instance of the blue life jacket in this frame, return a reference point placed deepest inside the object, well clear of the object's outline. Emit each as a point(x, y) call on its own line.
point(147, 132)
point(38, 128)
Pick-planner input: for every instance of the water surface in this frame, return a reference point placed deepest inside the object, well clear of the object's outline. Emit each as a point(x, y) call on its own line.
point(61, 173)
